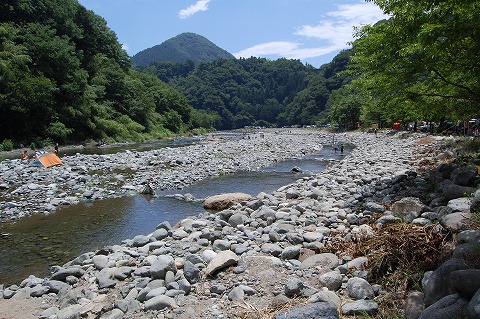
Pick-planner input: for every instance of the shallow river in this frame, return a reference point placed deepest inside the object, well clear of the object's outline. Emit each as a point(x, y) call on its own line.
point(41, 241)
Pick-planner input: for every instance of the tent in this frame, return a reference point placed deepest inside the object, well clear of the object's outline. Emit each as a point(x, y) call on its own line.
point(46, 159)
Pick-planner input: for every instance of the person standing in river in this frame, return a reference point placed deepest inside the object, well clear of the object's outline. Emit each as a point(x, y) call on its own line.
point(56, 149)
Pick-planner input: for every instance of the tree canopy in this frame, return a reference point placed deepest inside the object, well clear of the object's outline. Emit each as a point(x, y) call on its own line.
point(255, 91)
point(64, 77)
point(420, 64)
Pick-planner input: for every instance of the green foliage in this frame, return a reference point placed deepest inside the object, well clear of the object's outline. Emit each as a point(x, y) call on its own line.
point(421, 63)
point(238, 93)
point(7, 145)
point(59, 132)
point(184, 47)
point(64, 77)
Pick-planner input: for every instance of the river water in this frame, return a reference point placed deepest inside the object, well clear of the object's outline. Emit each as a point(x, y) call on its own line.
point(40, 241)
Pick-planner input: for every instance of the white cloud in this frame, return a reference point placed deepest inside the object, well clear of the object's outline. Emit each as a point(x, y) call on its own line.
point(333, 32)
point(290, 50)
point(125, 47)
point(201, 5)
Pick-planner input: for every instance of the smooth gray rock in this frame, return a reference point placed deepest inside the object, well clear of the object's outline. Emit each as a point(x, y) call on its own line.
point(140, 240)
point(326, 296)
point(456, 222)
point(374, 207)
point(55, 286)
point(461, 204)
point(49, 313)
point(360, 307)
point(290, 252)
point(438, 285)
point(318, 310)
point(161, 265)
point(414, 305)
point(218, 289)
point(272, 249)
point(359, 288)
point(236, 294)
point(104, 279)
point(325, 260)
point(39, 290)
point(223, 259)
point(191, 272)
point(408, 208)
point(160, 302)
point(449, 307)
point(127, 306)
point(465, 282)
point(464, 176)
point(237, 219)
point(452, 191)
point(474, 305)
point(63, 273)
point(466, 236)
point(160, 233)
point(296, 287)
point(357, 263)
point(100, 261)
point(122, 273)
point(331, 280)
point(221, 244)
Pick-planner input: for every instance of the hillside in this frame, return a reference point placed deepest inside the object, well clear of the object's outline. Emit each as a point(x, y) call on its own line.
point(64, 78)
point(256, 91)
point(183, 47)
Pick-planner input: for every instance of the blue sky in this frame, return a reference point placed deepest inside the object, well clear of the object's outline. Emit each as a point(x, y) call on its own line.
point(313, 31)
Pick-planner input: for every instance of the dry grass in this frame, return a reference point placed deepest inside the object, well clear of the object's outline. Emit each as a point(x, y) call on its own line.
point(397, 252)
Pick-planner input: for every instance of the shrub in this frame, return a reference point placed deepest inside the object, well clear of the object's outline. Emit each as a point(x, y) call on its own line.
point(7, 145)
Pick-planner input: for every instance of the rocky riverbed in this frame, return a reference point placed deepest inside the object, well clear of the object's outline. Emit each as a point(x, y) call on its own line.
point(261, 256)
point(27, 189)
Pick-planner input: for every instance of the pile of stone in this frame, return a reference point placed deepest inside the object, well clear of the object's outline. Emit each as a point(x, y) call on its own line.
point(264, 252)
point(27, 189)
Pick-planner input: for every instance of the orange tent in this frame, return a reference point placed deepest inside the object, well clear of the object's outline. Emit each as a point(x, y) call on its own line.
point(50, 159)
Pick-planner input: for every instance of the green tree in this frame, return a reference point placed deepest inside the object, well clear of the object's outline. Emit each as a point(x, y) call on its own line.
point(423, 59)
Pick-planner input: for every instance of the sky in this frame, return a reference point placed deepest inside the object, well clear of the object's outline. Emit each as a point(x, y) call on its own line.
point(313, 31)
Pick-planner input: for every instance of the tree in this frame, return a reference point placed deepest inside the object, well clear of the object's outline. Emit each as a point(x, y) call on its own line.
point(423, 59)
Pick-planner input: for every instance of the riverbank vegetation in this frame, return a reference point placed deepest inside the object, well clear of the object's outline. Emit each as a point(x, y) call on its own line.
point(65, 78)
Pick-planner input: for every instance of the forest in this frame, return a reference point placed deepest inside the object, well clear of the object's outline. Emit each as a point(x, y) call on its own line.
point(65, 78)
point(256, 91)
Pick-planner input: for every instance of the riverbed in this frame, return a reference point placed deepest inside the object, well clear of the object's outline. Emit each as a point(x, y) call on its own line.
point(42, 240)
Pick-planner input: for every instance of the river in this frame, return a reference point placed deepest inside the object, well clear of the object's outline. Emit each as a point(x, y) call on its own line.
point(40, 241)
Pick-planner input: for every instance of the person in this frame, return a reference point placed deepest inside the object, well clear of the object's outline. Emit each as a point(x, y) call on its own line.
point(341, 148)
point(24, 155)
point(375, 131)
point(56, 149)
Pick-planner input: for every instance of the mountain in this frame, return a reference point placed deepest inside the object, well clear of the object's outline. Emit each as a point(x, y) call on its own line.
point(183, 47)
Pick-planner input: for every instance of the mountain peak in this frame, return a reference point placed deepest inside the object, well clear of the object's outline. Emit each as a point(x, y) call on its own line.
point(183, 47)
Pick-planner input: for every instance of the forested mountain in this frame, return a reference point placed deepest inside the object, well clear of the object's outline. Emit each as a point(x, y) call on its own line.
point(255, 91)
point(64, 77)
point(184, 47)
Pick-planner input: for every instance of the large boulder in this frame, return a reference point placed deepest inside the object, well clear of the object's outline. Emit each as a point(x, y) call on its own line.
point(409, 208)
point(438, 285)
point(449, 307)
point(224, 201)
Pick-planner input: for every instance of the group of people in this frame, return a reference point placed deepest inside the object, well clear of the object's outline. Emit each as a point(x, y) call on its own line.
point(24, 156)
